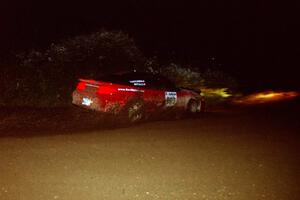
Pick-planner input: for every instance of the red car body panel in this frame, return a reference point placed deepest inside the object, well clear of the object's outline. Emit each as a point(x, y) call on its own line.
point(111, 97)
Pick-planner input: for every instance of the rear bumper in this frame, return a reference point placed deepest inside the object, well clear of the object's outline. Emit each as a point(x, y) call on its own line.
point(95, 104)
point(103, 104)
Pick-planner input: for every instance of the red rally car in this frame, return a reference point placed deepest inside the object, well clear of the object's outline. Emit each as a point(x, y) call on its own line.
point(135, 95)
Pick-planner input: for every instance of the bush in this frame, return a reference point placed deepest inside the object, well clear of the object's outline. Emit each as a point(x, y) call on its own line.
point(194, 78)
point(218, 79)
point(182, 77)
point(103, 52)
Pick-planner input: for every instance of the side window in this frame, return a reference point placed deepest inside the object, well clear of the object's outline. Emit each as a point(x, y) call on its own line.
point(167, 84)
point(160, 83)
point(154, 82)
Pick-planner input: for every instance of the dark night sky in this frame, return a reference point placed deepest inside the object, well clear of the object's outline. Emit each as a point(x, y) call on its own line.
point(252, 39)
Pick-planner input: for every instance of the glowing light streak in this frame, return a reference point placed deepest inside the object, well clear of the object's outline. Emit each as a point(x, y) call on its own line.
point(266, 97)
point(221, 92)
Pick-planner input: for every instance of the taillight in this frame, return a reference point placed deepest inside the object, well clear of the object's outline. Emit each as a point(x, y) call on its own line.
point(81, 86)
point(106, 89)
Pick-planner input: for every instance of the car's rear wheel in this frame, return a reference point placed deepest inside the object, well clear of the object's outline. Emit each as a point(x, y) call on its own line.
point(133, 112)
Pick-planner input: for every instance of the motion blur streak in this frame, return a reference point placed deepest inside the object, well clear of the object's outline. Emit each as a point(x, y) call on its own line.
point(217, 92)
point(267, 97)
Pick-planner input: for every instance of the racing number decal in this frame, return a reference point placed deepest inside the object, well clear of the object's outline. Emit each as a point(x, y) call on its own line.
point(170, 98)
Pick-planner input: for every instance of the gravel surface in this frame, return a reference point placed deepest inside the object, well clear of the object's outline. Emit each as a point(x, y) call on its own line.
point(241, 154)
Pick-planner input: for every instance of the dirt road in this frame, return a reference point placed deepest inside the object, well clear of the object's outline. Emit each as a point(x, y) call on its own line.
point(241, 155)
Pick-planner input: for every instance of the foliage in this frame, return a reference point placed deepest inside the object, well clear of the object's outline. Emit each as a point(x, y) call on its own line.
point(182, 77)
point(218, 79)
point(194, 78)
point(152, 65)
point(98, 52)
point(102, 51)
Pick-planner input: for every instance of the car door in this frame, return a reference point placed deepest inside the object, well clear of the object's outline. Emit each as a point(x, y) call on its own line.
point(170, 92)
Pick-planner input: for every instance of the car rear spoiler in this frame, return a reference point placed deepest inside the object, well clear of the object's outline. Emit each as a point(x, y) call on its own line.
point(92, 82)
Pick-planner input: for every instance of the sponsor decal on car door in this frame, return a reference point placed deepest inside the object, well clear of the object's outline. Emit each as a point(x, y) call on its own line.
point(170, 98)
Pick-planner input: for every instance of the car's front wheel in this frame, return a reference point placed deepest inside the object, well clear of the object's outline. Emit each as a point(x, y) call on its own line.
point(192, 106)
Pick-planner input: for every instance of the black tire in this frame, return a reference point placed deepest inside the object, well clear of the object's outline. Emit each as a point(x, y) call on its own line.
point(192, 107)
point(133, 112)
